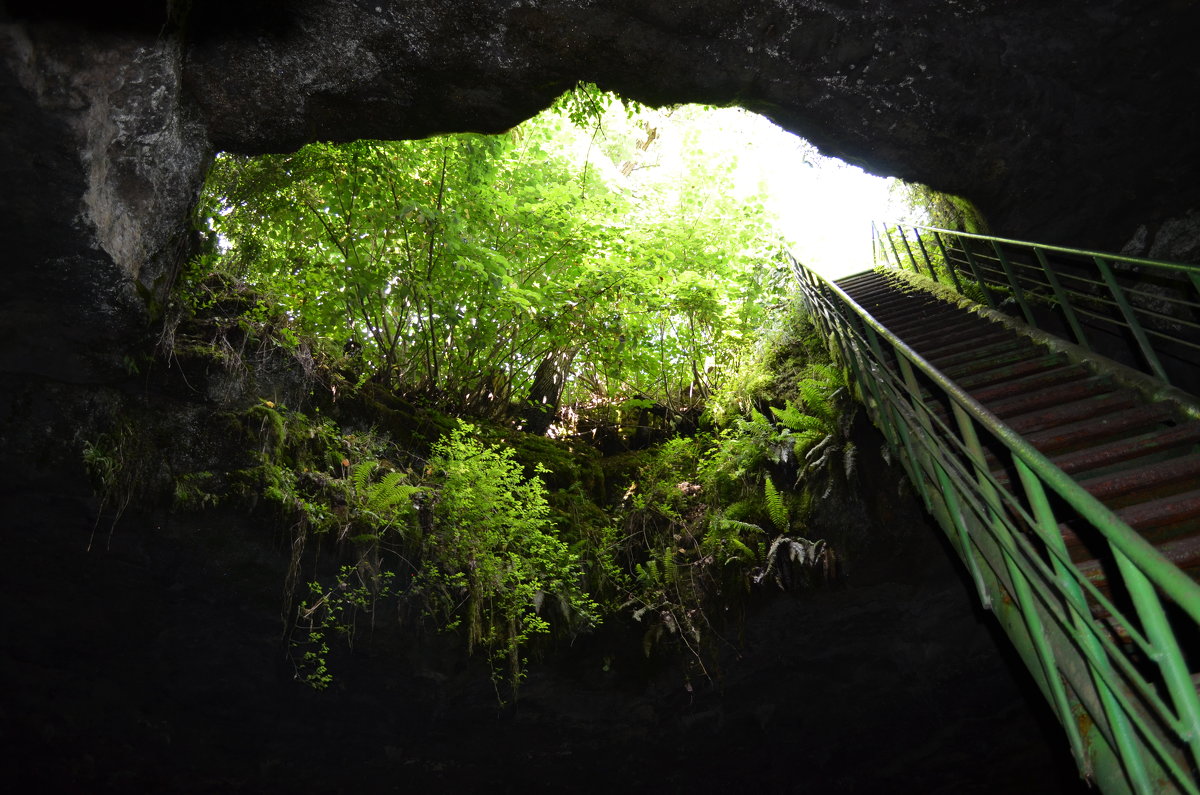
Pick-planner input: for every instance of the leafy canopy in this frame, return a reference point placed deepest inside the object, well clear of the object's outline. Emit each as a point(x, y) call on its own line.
point(605, 248)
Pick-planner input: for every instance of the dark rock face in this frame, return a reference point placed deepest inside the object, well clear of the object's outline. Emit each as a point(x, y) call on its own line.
point(1031, 109)
point(156, 665)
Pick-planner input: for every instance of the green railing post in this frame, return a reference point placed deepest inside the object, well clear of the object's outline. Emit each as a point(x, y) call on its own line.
point(911, 257)
point(892, 242)
point(1139, 334)
point(1015, 283)
point(949, 263)
point(1047, 527)
point(925, 254)
point(954, 508)
point(1064, 301)
point(975, 272)
point(1023, 592)
point(1168, 655)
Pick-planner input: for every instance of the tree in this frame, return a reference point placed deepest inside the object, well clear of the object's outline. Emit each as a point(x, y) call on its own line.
point(505, 274)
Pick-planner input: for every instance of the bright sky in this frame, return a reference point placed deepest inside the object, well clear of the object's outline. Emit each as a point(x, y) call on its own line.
point(824, 206)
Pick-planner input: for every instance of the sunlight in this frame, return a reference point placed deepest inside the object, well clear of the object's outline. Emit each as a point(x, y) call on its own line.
point(824, 207)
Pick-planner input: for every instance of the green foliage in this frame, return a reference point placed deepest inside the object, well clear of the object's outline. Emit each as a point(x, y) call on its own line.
point(334, 610)
point(457, 266)
point(493, 562)
point(944, 210)
point(118, 464)
point(598, 257)
point(775, 507)
point(196, 491)
point(793, 561)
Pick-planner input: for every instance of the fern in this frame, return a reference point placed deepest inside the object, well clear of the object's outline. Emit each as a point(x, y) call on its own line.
point(789, 415)
point(775, 507)
point(360, 476)
point(818, 400)
point(727, 534)
point(390, 493)
point(789, 558)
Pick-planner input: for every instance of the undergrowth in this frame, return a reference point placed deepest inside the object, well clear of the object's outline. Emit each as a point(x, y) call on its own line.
point(465, 535)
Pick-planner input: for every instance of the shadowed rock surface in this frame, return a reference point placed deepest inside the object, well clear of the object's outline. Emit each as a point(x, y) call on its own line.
point(157, 666)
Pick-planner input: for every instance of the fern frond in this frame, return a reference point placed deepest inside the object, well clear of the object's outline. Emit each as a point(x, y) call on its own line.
point(789, 415)
point(849, 459)
point(741, 551)
point(360, 476)
point(818, 401)
point(775, 507)
point(730, 528)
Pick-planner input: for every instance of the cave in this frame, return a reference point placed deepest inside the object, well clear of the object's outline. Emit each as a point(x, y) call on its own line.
point(1066, 125)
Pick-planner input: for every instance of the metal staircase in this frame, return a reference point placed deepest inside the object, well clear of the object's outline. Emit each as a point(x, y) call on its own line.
point(1068, 483)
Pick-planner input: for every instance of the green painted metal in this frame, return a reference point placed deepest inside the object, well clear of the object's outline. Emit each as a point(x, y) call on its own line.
point(1127, 312)
point(1064, 301)
point(946, 259)
point(1113, 670)
point(1015, 284)
point(1157, 322)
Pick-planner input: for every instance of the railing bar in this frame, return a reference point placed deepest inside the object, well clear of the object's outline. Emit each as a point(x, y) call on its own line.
point(892, 241)
point(1064, 301)
point(928, 261)
point(1047, 594)
point(1152, 315)
point(948, 261)
point(912, 257)
point(1134, 327)
point(1170, 658)
point(1073, 251)
point(936, 460)
point(1163, 298)
point(1018, 293)
point(1175, 340)
point(1111, 651)
point(1180, 587)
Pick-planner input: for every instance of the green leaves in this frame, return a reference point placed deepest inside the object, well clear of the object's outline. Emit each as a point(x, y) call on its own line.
point(458, 263)
point(494, 557)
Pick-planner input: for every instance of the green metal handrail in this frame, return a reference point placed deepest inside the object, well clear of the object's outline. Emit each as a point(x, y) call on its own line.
point(1120, 682)
point(1076, 293)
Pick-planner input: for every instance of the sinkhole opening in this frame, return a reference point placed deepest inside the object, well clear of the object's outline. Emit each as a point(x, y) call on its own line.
point(602, 252)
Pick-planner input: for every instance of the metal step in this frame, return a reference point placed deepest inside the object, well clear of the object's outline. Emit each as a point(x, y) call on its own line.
point(1141, 459)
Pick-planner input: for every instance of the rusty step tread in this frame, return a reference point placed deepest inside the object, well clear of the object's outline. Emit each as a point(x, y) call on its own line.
point(911, 324)
point(1100, 428)
point(1046, 397)
point(883, 293)
point(1128, 449)
point(952, 346)
point(987, 378)
point(1028, 383)
point(993, 364)
point(1160, 522)
point(1145, 477)
point(983, 352)
point(1165, 512)
point(1095, 406)
point(959, 329)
